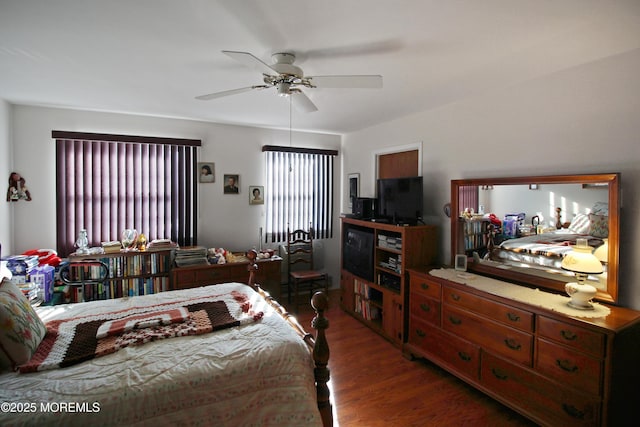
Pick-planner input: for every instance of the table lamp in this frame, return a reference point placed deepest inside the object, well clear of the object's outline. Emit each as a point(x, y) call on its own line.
point(582, 262)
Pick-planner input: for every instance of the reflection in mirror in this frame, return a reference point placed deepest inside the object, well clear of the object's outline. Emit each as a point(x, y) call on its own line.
point(521, 228)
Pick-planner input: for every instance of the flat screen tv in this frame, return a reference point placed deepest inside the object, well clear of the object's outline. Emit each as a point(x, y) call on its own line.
point(357, 251)
point(400, 200)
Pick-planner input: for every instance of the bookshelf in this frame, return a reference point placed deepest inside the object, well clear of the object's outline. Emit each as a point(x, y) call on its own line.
point(378, 297)
point(473, 235)
point(129, 274)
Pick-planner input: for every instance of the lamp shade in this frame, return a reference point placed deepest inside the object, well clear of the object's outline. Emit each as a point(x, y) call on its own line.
point(581, 259)
point(602, 252)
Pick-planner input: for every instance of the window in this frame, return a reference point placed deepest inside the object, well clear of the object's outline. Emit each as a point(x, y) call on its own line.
point(299, 191)
point(108, 183)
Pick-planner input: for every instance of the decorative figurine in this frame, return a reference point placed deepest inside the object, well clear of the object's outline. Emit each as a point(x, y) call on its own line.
point(82, 243)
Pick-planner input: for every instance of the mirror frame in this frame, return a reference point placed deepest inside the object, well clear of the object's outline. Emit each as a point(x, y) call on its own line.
point(610, 294)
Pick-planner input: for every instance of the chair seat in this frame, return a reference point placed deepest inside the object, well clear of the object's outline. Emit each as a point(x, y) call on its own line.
point(307, 275)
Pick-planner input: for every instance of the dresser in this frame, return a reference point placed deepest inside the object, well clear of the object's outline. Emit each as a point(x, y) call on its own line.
point(267, 276)
point(552, 367)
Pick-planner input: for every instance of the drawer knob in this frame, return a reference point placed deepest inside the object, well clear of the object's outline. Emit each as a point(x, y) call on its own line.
point(421, 333)
point(425, 307)
point(566, 365)
point(424, 286)
point(455, 320)
point(513, 317)
point(568, 335)
point(572, 411)
point(455, 297)
point(498, 374)
point(464, 356)
point(512, 344)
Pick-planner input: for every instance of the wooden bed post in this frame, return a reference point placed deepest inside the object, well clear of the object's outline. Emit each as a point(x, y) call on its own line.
point(320, 303)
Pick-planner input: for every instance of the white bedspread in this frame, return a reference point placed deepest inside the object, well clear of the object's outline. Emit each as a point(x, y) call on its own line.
point(260, 374)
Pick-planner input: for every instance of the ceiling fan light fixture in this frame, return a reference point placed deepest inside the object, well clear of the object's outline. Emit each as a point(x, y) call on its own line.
point(284, 89)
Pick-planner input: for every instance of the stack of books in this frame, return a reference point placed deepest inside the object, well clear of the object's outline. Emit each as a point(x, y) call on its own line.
point(111, 247)
point(162, 244)
point(192, 255)
point(21, 266)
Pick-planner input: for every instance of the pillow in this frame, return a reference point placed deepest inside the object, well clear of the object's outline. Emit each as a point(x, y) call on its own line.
point(599, 225)
point(580, 224)
point(600, 208)
point(21, 330)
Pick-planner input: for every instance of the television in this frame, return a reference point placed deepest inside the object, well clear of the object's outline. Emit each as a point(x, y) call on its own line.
point(357, 251)
point(400, 200)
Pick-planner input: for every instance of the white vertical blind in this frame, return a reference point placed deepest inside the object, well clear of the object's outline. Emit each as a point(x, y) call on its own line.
point(299, 191)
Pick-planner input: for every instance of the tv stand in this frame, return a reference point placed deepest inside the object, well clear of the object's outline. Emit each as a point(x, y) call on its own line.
point(379, 300)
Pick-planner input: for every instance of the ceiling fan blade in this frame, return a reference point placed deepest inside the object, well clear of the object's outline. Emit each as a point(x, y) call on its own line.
point(228, 92)
point(250, 61)
point(301, 102)
point(357, 82)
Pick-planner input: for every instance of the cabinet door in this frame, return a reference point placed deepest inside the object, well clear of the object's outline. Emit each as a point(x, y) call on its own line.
point(347, 298)
point(392, 317)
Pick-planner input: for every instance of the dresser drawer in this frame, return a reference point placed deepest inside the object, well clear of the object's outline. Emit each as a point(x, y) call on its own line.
point(212, 275)
point(424, 308)
point(458, 354)
point(582, 339)
point(568, 366)
point(502, 313)
point(552, 403)
point(509, 342)
point(423, 285)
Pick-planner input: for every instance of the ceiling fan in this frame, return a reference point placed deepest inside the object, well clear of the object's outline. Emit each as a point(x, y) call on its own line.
point(289, 79)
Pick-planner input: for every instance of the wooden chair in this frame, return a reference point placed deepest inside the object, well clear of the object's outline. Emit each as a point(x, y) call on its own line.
point(301, 276)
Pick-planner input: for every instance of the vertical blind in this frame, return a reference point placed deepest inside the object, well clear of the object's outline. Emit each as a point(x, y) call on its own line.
point(109, 183)
point(468, 198)
point(299, 191)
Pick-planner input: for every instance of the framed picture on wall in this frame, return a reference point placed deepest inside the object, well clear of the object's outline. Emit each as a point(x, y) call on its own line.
point(231, 183)
point(256, 195)
point(354, 187)
point(206, 172)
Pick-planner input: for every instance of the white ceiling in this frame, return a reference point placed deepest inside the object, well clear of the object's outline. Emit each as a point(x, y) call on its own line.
point(152, 57)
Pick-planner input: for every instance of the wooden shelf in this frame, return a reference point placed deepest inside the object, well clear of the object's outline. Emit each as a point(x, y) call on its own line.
point(130, 273)
point(395, 249)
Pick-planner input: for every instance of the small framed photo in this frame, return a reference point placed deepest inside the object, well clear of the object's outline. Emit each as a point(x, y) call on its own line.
point(231, 183)
point(533, 186)
point(206, 172)
point(354, 187)
point(461, 263)
point(256, 195)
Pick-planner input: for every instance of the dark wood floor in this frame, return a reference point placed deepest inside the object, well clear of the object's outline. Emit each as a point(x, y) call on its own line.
point(374, 385)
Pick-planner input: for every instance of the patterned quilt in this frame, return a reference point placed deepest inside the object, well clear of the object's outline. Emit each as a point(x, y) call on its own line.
point(79, 339)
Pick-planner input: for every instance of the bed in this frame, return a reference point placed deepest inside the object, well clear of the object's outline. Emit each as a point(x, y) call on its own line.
point(265, 371)
point(546, 250)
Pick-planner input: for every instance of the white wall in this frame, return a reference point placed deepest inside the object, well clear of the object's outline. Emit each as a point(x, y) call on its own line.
point(224, 220)
point(5, 170)
point(581, 120)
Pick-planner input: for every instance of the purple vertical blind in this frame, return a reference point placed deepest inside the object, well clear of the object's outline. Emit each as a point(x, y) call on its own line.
point(468, 198)
point(108, 183)
point(299, 191)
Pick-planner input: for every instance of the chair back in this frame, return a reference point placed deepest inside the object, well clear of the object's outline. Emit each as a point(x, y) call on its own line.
point(299, 249)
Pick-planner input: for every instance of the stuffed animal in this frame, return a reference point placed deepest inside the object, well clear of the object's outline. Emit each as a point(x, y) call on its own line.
point(217, 255)
point(17, 188)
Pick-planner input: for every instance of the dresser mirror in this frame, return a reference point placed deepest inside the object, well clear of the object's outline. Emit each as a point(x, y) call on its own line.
point(519, 229)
